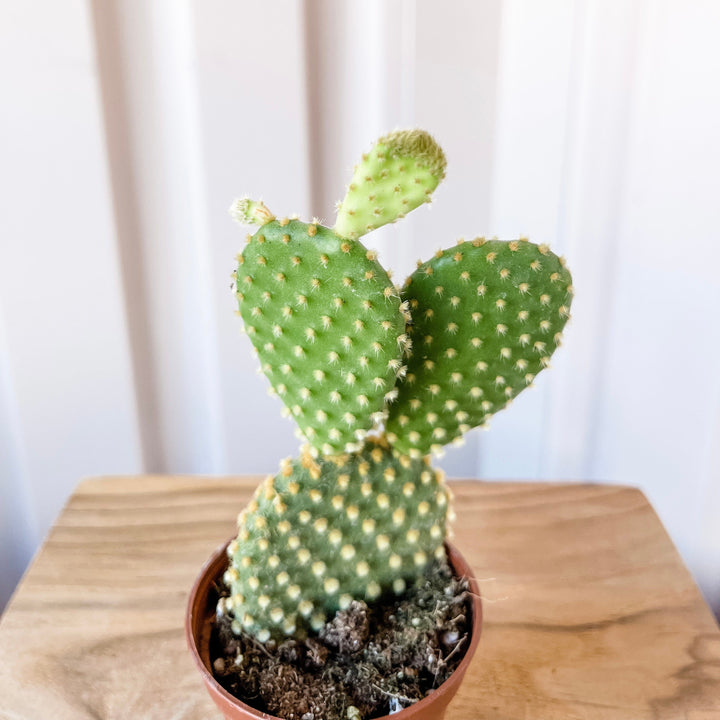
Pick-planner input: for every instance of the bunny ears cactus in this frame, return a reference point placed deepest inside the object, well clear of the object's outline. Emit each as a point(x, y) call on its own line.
point(347, 351)
point(362, 512)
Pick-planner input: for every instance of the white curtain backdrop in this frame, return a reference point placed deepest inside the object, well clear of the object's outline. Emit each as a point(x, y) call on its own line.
point(128, 126)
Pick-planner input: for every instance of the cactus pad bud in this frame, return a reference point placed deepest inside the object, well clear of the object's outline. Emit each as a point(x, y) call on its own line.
point(399, 174)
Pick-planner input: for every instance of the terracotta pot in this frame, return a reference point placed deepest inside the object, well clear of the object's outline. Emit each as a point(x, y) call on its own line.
point(198, 625)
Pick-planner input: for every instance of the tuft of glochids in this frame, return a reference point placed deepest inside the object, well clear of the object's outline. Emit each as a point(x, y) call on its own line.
point(377, 378)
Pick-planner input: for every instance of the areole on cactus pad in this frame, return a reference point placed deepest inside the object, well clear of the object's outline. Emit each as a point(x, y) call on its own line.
point(376, 378)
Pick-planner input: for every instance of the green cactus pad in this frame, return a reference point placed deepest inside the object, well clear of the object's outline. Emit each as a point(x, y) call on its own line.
point(399, 174)
point(328, 327)
point(320, 534)
point(486, 317)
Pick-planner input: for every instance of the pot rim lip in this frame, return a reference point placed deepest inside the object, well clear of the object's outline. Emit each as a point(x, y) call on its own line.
point(405, 713)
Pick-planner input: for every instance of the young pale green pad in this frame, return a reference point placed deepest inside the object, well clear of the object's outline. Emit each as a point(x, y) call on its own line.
point(399, 174)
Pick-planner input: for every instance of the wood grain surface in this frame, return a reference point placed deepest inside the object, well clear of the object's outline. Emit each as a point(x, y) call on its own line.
point(589, 611)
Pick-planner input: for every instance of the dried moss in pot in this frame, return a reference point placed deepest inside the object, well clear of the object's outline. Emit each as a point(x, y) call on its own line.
point(376, 659)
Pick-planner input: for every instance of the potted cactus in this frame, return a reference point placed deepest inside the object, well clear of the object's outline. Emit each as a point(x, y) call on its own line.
point(378, 379)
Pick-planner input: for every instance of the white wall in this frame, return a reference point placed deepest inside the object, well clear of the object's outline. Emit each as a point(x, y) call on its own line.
point(128, 126)
point(67, 395)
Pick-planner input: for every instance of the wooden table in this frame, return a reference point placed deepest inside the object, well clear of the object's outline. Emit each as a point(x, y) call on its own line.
point(589, 611)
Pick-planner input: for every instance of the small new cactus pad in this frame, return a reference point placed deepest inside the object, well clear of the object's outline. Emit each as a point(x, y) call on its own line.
point(321, 533)
point(396, 176)
point(486, 317)
point(327, 324)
